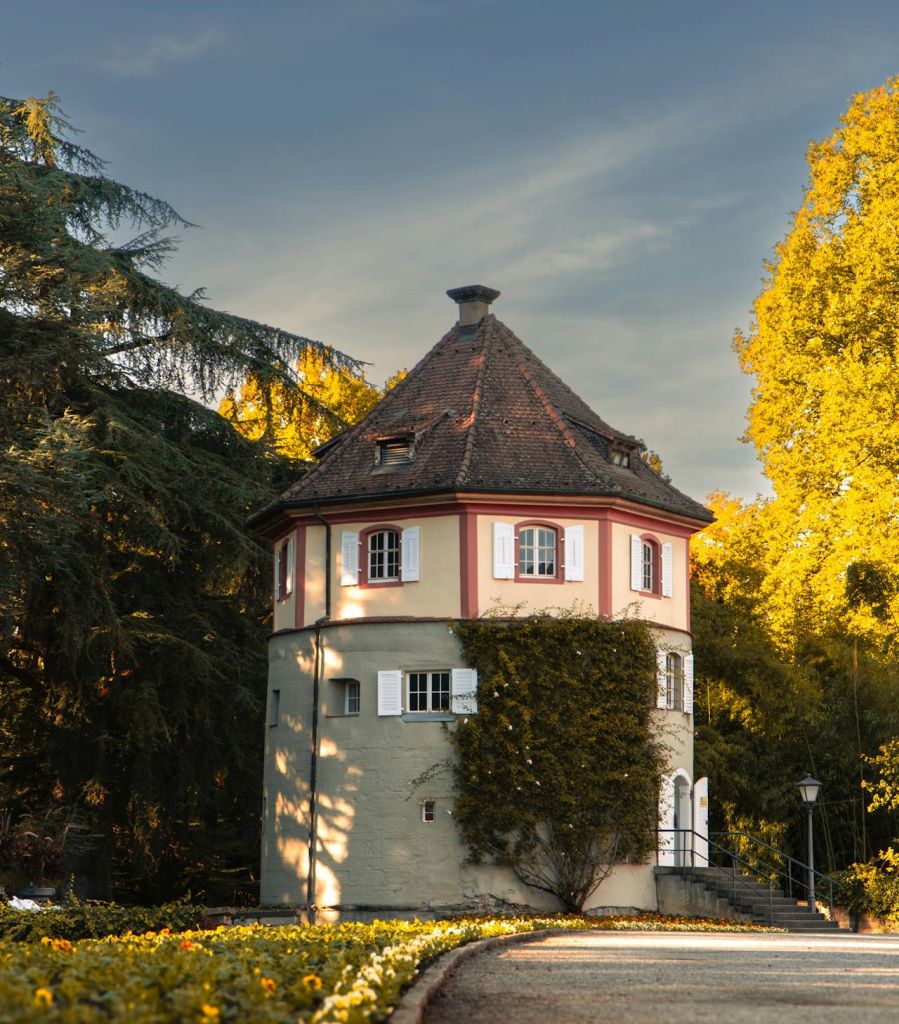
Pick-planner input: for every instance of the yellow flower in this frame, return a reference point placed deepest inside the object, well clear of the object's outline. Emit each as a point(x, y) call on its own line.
point(210, 1013)
point(312, 981)
point(43, 997)
point(269, 985)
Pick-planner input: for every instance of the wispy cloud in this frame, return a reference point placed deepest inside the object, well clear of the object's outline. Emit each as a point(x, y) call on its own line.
point(149, 57)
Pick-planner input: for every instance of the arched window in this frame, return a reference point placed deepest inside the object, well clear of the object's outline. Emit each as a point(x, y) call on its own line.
point(383, 556)
point(537, 552)
point(674, 682)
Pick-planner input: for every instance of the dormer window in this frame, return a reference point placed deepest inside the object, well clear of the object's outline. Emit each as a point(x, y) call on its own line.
point(621, 458)
point(395, 451)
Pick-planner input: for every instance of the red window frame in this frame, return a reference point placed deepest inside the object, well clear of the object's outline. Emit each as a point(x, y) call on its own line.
point(655, 545)
point(364, 538)
point(559, 533)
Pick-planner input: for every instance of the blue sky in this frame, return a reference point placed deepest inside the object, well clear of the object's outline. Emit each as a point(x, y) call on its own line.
point(619, 171)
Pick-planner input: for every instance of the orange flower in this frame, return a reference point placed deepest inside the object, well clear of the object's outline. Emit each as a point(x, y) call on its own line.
point(312, 981)
point(269, 985)
point(43, 997)
point(186, 944)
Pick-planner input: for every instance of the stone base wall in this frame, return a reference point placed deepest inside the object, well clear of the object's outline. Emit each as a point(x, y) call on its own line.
point(373, 775)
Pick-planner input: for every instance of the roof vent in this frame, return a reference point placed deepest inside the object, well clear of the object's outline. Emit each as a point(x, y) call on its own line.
point(474, 301)
point(394, 451)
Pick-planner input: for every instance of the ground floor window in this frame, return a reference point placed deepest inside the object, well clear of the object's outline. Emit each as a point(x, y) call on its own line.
point(352, 697)
point(429, 811)
point(429, 691)
point(674, 682)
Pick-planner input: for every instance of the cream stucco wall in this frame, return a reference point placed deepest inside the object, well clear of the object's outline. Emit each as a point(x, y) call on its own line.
point(373, 774)
point(535, 596)
point(435, 594)
point(670, 611)
point(285, 612)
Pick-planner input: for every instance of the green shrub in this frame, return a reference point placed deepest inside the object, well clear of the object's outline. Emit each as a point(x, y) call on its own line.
point(871, 889)
point(75, 920)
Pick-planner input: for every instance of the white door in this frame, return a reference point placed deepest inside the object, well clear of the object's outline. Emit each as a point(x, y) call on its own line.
point(701, 822)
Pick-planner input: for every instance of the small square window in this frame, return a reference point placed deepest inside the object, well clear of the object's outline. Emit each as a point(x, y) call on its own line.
point(429, 811)
point(621, 458)
point(352, 697)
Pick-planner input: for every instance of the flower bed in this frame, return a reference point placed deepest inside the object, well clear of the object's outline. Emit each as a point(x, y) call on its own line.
point(348, 972)
point(89, 919)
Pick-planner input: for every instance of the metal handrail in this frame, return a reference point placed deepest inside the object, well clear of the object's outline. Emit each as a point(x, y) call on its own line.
point(737, 879)
point(752, 870)
point(804, 872)
point(780, 853)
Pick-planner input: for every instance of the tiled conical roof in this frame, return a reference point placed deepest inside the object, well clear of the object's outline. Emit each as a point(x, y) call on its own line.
point(486, 415)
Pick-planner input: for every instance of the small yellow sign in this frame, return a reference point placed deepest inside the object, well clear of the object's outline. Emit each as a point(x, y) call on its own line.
point(703, 801)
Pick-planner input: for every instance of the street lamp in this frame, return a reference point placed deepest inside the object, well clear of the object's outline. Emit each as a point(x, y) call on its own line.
point(808, 789)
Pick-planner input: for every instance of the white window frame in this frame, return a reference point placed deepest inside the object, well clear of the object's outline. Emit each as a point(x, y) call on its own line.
point(537, 548)
point(352, 697)
point(431, 692)
point(385, 553)
point(647, 565)
point(674, 681)
point(428, 811)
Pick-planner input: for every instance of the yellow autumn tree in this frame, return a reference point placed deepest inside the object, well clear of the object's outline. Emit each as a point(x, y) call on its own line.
point(333, 398)
point(824, 348)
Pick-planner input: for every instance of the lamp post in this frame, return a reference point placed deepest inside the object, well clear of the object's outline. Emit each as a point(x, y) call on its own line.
point(808, 789)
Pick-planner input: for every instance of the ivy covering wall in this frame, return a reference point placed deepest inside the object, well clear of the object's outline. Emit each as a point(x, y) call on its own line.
point(557, 775)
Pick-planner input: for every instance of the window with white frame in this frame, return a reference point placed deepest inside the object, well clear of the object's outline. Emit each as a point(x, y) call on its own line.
point(652, 566)
point(352, 697)
point(383, 556)
point(674, 681)
point(284, 568)
point(648, 566)
point(537, 551)
point(428, 691)
point(429, 811)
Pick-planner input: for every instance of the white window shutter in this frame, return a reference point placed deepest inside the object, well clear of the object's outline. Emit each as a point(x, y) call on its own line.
point(277, 582)
point(291, 558)
point(390, 692)
point(349, 559)
point(574, 553)
point(662, 661)
point(410, 544)
point(465, 691)
point(688, 684)
point(667, 575)
point(503, 551)
point(636, 562)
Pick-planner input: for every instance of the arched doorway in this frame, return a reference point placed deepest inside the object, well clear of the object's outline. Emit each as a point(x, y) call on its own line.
point(683, 821)
point(676, 819)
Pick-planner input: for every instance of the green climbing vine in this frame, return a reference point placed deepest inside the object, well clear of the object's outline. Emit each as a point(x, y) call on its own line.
point(557, 774)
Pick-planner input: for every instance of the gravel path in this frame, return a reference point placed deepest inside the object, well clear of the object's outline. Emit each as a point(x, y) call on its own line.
point(677, 978)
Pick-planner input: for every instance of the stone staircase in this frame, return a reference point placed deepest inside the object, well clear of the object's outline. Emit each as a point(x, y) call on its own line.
point(717, 892)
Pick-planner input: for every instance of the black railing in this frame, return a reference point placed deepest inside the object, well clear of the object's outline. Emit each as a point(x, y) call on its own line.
point(768, 865)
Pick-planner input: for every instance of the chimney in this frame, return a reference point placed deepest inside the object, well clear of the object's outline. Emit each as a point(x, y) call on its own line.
point(474, 301)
